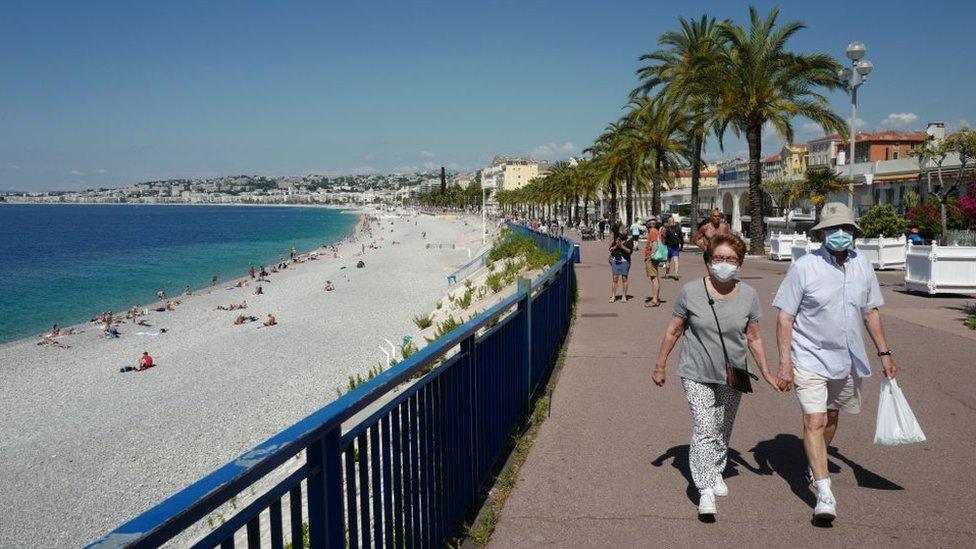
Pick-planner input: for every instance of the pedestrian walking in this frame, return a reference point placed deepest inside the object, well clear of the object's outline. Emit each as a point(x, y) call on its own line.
point(620, 251)
point(674, 240)
point(824, 299)
point(650, 264)
point(715, 226)
point(720, 314)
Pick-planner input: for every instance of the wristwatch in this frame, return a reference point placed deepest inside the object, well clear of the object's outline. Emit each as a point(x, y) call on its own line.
point(884, 353)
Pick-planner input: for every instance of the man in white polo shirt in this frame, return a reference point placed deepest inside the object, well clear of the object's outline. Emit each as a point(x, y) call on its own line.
point(822, 302)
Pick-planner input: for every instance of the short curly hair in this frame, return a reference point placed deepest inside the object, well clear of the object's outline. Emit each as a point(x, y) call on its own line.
point(730, 240)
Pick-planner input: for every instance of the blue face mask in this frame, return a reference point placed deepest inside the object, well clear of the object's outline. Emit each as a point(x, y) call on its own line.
point(839, 240)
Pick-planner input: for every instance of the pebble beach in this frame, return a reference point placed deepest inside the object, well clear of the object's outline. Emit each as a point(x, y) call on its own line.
point(85, 446)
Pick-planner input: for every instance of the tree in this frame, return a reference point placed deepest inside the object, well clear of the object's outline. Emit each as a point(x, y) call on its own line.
point(881, 221)
point(658, 141)
point(783, 191)
point(816, 185)
point(758, 82)
point(935, 153)
point(681, 68)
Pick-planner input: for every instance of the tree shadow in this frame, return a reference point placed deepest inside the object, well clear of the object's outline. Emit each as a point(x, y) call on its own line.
point(679, 460)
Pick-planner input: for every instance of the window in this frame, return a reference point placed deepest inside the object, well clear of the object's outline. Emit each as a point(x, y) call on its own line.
point(894, 155)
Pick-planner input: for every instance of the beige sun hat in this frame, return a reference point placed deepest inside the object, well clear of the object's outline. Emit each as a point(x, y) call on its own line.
point(835, 214)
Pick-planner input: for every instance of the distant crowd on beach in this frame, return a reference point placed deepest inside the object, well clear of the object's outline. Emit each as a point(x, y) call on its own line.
point(112, 325)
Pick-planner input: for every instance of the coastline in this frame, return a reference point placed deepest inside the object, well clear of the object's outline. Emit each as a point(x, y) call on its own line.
point(103, 442)
point(359, 212)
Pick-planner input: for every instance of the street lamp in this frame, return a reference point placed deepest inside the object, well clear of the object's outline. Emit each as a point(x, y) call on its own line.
point(853, 78)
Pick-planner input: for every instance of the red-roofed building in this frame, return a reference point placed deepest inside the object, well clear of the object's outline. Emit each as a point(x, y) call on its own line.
point(831, 151)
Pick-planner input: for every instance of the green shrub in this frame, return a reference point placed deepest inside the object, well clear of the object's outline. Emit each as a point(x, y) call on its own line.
point(465, 300)
point(423, 321)
point(494, 282)
point(881, 221)
point(444, 328)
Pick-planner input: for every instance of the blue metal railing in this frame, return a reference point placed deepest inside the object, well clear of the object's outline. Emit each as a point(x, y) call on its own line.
point(468, 268)
point(407, 473)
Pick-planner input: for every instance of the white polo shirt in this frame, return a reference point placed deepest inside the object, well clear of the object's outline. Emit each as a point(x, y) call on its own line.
point(828, 304)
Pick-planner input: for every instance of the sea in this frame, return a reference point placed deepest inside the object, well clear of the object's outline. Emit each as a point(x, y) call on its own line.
point(65, 263)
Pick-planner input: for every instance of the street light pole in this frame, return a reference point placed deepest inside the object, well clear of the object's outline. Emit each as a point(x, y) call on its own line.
point(484, 206)
point(853, 78)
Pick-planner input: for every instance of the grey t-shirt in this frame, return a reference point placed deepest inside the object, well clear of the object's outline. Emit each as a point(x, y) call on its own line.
point(701, 357)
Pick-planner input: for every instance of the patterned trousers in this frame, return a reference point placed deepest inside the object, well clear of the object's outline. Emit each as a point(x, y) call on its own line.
point(713, 407)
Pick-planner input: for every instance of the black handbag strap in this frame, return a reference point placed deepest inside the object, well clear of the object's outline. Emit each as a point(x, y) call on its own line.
point(721, 338)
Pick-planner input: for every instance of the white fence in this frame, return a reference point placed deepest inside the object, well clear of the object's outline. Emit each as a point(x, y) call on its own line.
point(884, 253)
point(780, 245)
point(940, 269)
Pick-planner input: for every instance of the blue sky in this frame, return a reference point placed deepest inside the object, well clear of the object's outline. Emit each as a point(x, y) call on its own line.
point(108, 93)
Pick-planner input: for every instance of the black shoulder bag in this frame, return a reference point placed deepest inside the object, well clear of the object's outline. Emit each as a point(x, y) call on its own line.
point(736, 378)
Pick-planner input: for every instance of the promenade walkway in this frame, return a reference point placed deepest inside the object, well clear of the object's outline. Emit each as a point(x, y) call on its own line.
point(609, 468)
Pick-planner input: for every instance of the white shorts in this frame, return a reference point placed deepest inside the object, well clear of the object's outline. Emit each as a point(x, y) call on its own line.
point(817, 394)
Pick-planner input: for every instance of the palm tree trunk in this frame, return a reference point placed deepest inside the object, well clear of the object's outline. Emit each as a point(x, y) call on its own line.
point(576, 207)
point(695, 178)
point(613, 201)
point(757, 245)
point(656, 185)
point(586, 208)
point(629, 200)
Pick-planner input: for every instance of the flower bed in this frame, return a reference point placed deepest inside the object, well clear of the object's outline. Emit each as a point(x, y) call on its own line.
point(780, 245)
point(801, 247)
point(884, 253)
point(940, 269)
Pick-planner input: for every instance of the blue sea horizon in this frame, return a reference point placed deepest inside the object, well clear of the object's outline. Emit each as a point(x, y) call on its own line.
point(64, 263)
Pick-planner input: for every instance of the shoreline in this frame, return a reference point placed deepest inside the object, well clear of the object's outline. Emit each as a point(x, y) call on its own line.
point(104, 441)
point(359, 212)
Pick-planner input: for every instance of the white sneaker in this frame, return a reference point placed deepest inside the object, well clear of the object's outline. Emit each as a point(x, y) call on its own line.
point(720, 488)
point(826, 508)
point(706, 502)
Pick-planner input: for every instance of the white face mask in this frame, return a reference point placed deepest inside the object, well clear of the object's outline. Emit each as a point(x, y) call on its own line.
point(724, 271)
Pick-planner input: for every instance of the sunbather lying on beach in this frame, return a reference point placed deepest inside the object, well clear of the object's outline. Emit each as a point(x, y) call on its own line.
point(329, 286)
point(241, 319)
point(271, 320)
point(258, 291)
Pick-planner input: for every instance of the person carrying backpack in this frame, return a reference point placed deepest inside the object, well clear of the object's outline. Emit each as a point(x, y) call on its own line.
point(674, 240)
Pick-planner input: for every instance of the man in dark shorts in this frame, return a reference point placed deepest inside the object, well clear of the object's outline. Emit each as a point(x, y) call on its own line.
point(716, 225)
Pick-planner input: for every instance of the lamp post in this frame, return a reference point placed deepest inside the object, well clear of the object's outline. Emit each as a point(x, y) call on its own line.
point(484, 206)
point(853, 78)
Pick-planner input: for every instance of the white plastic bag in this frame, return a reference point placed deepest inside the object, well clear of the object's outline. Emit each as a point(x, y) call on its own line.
point(896, 422)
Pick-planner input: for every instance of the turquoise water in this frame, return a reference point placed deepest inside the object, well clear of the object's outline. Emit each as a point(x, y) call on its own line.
point(66, 263)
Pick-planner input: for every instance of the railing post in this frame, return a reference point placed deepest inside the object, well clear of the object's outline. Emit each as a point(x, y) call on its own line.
point(524, 287)
point(326, 527)
point(469, 363)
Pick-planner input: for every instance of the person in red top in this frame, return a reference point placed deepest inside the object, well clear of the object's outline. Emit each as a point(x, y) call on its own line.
point(145, 361)
point(653, 241)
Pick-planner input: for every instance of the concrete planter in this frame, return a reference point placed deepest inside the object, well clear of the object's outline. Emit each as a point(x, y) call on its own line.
point(801, 247)
point(884, 253)
point(940, 269)
point(780, 245)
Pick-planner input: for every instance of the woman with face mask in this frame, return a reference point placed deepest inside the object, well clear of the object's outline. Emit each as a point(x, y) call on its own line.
point(721, 316)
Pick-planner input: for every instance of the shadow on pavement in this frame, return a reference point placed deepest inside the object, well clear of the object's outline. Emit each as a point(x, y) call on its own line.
point(679, 460)
point(865, 478)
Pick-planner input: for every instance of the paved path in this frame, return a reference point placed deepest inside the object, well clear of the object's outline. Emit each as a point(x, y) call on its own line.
point(609, 468)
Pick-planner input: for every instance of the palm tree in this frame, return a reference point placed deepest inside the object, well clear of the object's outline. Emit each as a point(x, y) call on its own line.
point(757, 82)
point(659, 125)
point(681, 68)
point(816, 185)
